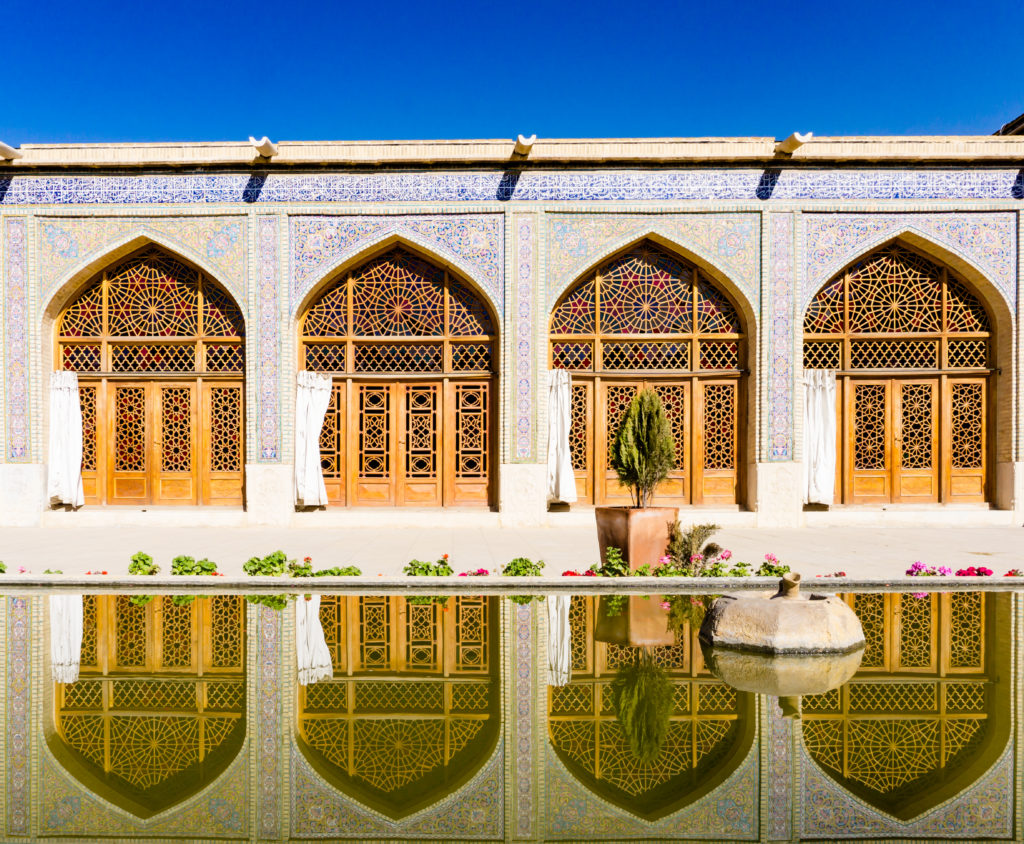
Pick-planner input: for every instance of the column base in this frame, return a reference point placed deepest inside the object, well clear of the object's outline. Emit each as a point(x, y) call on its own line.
point(269, 493)
point(22, 494)
point(779, 494)
point(522, 494)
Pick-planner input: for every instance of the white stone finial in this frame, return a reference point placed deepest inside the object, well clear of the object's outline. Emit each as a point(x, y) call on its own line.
point(793, 142)
point(524, 144)
point(8, 153)
point(264, 147)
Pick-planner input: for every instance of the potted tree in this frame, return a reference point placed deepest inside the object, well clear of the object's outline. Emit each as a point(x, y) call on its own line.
point(642, 455)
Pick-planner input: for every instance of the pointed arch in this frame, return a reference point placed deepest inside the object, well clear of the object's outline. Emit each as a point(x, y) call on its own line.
point(65, 287)
point(363, 251)
point(148, 743)
point(744, 297)
point(647, 317)
point(927, 715)
point(413, 710)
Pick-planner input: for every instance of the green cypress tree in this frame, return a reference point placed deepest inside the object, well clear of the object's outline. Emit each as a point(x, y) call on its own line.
point(644, 451)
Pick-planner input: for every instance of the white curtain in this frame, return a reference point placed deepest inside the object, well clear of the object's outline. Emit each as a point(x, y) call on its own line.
point(64, 481)
point(819, 436)
point(311, 650)
point(559, 645)
point(65, 637)
point(311, 400)
point(561, 481)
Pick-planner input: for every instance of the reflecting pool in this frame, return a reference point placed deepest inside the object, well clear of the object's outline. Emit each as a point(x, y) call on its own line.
point(567, 718)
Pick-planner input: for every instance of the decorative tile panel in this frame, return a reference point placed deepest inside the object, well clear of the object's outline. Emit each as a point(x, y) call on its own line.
point(729, 813)
point(781, 285)
point(988, 241)
point(781, 782)
point(524, 353)
point(269, 762)
point(268, 394)
point(984, 810)
point(473, 812)
point(16, 397)
point(68, 243)
point(728, 242)
point(471, 242)
point(753, 183)
point(19, 771)
point(525, 761)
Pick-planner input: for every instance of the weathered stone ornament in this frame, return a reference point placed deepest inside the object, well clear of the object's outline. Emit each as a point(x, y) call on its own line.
point(786, 623)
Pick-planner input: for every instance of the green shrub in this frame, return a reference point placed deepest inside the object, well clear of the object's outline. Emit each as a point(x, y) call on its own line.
point(272, 565)
point(190, 566)
point(523, 567)
point(140, 600)
point(3, 568)
point(306, 570)
point(419, 568)
point(642, 698)
point(644, 450)
point(690, 551)
point(274, 602)
point(142, 563)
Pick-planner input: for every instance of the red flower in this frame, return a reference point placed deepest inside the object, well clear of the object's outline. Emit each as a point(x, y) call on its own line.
point(570, 573)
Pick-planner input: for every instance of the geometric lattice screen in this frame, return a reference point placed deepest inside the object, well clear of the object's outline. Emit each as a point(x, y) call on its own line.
point(649, 319)
point(412, 709)
point(916, 721)
point(710, 726)
point(158, 710)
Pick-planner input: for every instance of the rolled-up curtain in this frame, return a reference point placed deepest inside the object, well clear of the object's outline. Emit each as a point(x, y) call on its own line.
point(64, 472)
point(312, 397)
point(65, 637)
point(311, 651)
point(819, 436)
point(561, 481)
point(559, 644)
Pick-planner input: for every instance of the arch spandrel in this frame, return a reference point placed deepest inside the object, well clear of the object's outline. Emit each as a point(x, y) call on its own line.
point(929, 712)
point(710, 733)
point(412, 712)
point(158, 711)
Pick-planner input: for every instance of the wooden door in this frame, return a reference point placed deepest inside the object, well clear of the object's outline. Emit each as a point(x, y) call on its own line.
point(223, 450)
point(419, 464)
point(129, 435)
point(916, 440)
point(869, 445)
point(716, 472)
point(373, 423)
point(614, 398)
point(174, 465)
point(467, 442)
point(581, 438)
point(965, 423)
point(676, 399)
point(92, 400)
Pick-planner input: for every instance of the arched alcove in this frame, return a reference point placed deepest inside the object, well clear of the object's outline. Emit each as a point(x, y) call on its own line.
point(158, 711)
point(413, 708)
point(412, 349)
point(159, 348)
point(649, 318)
point(928, 712)
point(915, 349)
point(710, 732)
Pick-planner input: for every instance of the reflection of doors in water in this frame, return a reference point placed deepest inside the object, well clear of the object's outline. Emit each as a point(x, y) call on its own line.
point(143, 442)
point(421, 443)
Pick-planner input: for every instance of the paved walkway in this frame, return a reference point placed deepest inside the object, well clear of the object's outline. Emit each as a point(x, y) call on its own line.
point(860, 552)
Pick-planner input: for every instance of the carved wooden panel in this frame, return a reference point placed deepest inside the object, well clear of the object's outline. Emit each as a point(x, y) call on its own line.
point(896, 312)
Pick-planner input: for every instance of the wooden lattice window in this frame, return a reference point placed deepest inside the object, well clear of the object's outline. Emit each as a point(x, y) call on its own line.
point(706, 735)
point(159, 349)
point(411, 440)
point(649, 319)
point(919, 709)
point(151, 314)
point(158, 709)
point(913, 348)
point(412, 706)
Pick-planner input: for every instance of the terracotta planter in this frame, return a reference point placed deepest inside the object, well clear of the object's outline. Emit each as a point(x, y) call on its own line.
point(641, 622)
point(640, 533)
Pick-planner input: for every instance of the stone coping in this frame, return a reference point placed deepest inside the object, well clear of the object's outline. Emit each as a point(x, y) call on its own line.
point(500, 151)
point(496, 585)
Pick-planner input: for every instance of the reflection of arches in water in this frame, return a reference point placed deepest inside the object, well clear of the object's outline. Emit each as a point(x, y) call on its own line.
point(158, 710)
point(928, 711)
point(710, 733)
point(412, 710)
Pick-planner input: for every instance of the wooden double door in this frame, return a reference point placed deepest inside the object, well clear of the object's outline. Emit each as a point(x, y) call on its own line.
point(419, 443)
point(905, 440)
point(162, 442)
point(705, 418)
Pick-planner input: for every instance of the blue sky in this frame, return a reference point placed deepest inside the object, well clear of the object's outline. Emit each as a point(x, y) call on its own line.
point(296, 70)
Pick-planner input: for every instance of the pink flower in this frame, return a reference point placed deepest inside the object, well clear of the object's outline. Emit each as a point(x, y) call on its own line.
point(696, 558)
point(23, 570)
point(664, 560)
point(726, 555)
point(665, 605)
